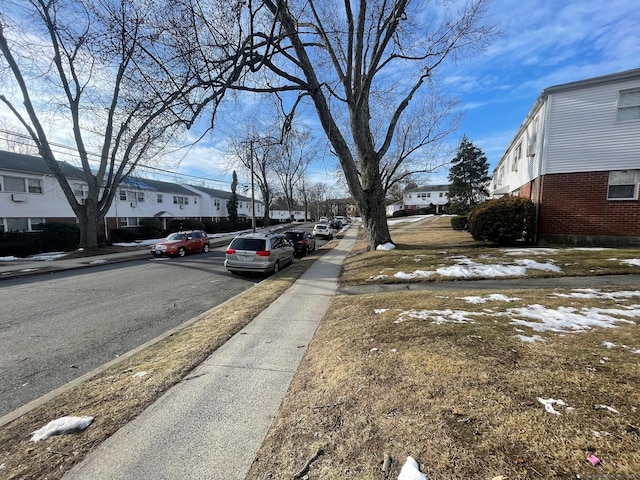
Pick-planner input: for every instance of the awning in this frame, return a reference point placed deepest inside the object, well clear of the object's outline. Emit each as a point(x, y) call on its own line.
point(501, 191)
point(163, 214)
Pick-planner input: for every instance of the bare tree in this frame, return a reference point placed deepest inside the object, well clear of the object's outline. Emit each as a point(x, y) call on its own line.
point(294, 156)
point(99, 69)
point(367, 67)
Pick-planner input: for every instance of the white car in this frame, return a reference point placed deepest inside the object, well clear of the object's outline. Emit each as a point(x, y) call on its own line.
point(323, 220)
point(323, 230)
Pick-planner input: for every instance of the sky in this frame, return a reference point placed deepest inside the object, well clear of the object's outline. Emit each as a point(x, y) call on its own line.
point(543, 43)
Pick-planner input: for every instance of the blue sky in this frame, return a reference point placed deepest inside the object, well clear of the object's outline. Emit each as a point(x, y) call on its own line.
point(543, 43)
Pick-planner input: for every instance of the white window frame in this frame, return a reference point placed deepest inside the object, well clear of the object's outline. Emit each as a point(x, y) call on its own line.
point(623, 178)
point(517, 155)
point(125, 221)
point(179, 200)
point(159, 198)
point(628, 105)
point(122, 195)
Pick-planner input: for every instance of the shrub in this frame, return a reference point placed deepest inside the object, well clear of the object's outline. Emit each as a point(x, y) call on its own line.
point(459, 222)
point(186, 224)
point(399, 213)
point(503, 221)
point(60, 236)
point(150, 228)
point(125, 235)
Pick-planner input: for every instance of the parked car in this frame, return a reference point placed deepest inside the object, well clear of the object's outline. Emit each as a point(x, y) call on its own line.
point(323, 220)
point(335, 226)
point(340, 218)
point(259, 252)
point(303, 241)
point(323, 230)
point(180, 243)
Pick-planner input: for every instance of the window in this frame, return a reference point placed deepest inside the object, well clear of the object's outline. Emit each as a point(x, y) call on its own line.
point(17, 224)
point(623, 185)
point(517, 155)
point(629, 105)
point(130, 221)
point(140, 196)
point(34, 185)
point(160, 199)
point(80, 190)
point(14, 184)
point(123, 195)
point(177, 200)
point(441, 194)
point(216, 203)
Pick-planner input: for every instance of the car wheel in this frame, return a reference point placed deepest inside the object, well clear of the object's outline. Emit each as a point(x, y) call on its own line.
point(182, 252)
point(276, 267)
point(205, 249)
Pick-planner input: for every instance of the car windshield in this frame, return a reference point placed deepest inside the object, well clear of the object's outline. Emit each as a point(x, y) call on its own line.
point(294, 235)
point(176, 236)
point(252, 244)
point(321, 227)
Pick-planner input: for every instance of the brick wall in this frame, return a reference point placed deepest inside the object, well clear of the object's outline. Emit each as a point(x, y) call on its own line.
point(576, 204)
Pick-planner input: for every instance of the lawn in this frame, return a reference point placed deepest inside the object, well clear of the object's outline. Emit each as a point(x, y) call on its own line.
point(515, 384)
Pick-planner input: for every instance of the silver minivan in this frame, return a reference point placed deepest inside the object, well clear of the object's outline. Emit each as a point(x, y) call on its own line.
point(259, 252)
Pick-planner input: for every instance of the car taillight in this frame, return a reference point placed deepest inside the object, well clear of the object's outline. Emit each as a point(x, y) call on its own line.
point(303, 241)
point(230, 251)
point(263, 253)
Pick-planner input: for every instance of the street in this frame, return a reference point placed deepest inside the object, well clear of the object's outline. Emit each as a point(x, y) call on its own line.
point(57, 327)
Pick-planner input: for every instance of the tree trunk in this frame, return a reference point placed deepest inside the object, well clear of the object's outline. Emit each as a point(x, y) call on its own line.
point(88, 221)
point(374, 218)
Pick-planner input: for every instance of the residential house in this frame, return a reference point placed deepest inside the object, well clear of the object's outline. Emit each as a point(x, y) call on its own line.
point(30, 195)
point(577, 156)
point(429, 196)
point(214, 204)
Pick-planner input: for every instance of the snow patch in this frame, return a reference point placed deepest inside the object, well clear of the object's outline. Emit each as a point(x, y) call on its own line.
point(494, 297)
point(549, 403)
point(386, 246)
point(411, 471)
point(62, 426)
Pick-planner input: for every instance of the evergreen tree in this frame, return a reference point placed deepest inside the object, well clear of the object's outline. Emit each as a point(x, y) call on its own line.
point(468, 178)
point(232, 204)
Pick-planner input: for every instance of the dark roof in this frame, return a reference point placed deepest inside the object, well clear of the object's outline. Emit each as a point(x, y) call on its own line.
point(222, 194)
point(18, 162)
point(430, 188)
point(155, 185)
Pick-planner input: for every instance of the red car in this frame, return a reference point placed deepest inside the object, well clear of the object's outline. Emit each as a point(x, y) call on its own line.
point(180, 243)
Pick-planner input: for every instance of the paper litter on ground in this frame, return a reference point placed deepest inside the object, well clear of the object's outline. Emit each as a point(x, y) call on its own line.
point(411, 471)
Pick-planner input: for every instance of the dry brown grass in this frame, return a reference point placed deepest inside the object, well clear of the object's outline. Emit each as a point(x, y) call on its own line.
point(461, 398)
point(431, 244)
point(114, 397)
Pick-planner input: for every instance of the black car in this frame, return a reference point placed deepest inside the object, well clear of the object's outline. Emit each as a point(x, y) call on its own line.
point(303, 242)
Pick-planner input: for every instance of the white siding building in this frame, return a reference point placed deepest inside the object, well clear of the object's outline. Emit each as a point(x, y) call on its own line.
point(577, 155)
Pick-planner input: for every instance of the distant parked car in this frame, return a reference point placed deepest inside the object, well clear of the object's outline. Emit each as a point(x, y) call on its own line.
point(340, 218)
point(259, 252)
point(180, 243)
point(323, 230)
point(303, 241)
point(323, 220)
point(336, 226)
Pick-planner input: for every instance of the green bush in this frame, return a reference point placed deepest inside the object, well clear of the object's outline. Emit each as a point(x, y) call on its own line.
point(399, 213)
point(459, 222)
point(504, 221)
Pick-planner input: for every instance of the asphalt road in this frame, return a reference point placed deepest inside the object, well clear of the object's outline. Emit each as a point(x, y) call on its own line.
point(57, 327)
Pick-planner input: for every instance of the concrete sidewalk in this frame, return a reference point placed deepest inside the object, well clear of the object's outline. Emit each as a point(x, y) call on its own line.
point(211, 425)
